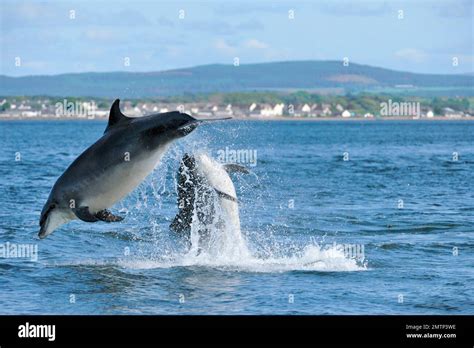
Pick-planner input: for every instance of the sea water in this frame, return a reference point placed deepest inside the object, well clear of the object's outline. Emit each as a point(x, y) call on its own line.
point(337, 217)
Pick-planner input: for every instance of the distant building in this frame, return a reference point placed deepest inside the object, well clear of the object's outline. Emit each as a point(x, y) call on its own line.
point(268, 110)
point(99, 113)
point(255, 110)
point(326, 110)
point(448, 112)
point(30, 113)
point(305, 109)
point(346, 113)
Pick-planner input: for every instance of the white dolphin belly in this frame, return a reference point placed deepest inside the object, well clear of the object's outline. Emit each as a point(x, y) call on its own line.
point(220, 180)
point(121, 181)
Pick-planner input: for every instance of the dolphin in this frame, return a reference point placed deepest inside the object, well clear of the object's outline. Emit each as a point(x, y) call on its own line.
point(204, 186)
point(107, 171)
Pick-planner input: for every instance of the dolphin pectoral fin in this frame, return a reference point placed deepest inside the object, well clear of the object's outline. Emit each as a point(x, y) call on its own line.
point(226, 196)
point(84, 214)
point(233, 168)
point(107, 216)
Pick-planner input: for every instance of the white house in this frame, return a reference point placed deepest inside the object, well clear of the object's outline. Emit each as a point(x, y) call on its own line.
point(30, 113)
point(346, 113)
point(268, 110)
point(278, 109)
point(100, 113)
point(448, 112)
point(326, 110)
point(306, 109)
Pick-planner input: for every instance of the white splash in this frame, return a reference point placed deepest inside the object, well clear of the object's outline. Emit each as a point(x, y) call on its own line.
point(232, 254)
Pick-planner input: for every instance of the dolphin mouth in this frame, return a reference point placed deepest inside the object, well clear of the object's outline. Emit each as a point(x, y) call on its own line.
point(192, 125)
point(42, 234)
point(213, 119)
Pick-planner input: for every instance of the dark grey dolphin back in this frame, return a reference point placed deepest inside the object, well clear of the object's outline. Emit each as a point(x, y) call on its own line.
point(194, 193)
point(187, 178)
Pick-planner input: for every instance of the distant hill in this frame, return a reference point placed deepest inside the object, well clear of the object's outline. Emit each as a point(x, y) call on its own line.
point(304, 75)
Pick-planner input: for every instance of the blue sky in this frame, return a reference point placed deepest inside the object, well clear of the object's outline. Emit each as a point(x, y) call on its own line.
point(153, 37)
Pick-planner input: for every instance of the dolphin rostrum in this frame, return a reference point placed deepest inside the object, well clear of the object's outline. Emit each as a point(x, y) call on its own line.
point(111, 168)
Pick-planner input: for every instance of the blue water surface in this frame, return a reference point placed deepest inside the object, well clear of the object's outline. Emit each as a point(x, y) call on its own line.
point(402, 190)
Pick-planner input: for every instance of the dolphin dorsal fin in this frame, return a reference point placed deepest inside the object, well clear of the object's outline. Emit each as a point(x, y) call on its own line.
point(116, 117)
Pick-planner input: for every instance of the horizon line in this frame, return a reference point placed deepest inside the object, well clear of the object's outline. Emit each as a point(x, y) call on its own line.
point(223, 64)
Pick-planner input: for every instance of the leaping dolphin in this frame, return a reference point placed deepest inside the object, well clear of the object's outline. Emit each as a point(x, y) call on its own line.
point(204, 186)
point(111, 168)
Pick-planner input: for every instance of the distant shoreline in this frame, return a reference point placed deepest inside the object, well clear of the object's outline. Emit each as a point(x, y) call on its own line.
point(299, 119)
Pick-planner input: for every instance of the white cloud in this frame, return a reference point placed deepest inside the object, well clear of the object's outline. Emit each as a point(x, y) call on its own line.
point(99, 34)
point(411, 54)
point(256, 44)
point(224, 47)
point(355, 8)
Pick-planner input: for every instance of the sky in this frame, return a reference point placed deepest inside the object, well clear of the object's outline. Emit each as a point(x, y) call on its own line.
point(54, 37)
